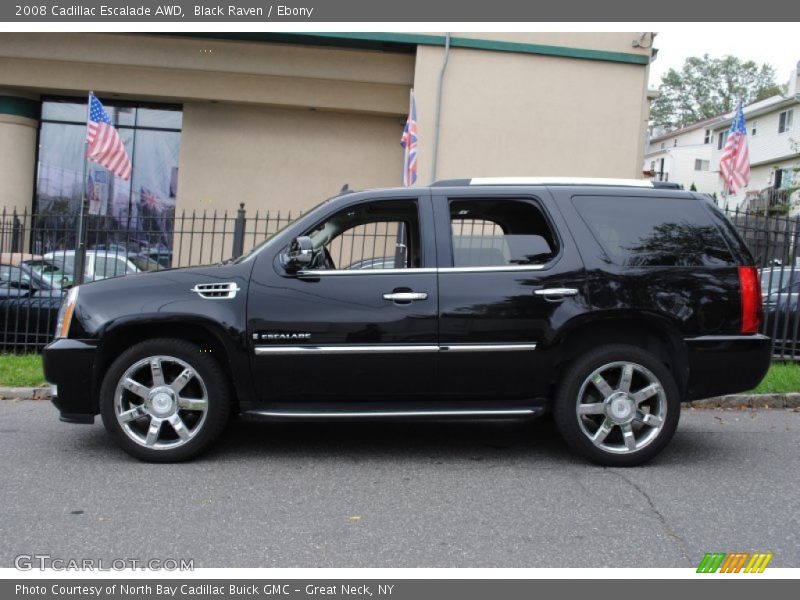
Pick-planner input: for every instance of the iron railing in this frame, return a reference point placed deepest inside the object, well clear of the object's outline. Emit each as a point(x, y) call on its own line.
point(37, 260)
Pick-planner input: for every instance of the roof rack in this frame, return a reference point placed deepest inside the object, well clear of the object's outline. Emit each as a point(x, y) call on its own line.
point(545, 181)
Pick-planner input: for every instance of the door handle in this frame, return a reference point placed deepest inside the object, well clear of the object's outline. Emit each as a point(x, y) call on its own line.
point(405, 296)
point(556, 293)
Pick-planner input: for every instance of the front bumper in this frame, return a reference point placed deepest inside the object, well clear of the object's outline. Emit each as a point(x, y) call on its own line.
point(69, 365)
point(726, 364)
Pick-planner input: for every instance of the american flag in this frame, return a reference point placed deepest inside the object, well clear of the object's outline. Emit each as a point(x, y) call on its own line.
point(409, 144)
point(104, 144)
point(734, 165)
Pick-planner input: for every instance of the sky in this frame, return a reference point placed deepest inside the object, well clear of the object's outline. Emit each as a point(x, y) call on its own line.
point(775, 43)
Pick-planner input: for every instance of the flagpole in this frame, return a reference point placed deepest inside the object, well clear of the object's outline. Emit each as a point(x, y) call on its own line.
point(80, 251)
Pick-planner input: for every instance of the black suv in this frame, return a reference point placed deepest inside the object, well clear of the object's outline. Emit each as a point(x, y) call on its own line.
point(605, 302)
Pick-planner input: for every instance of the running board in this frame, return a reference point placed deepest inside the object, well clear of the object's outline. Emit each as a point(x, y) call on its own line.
point(392, 414)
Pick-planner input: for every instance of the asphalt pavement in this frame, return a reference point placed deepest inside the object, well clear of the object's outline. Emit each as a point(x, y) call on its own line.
point(458, 494)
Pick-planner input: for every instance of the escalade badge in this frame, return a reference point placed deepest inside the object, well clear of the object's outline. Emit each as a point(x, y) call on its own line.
point(291, 335)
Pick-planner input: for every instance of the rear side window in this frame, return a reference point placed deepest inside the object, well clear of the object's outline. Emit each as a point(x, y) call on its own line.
point(499, 232)
point(654, 232)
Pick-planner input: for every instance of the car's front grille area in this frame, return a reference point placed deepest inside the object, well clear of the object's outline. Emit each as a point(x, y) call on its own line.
point(216, 291)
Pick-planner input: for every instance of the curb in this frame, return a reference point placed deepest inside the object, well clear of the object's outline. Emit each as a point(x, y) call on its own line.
point(25, 393)
point(790, 400)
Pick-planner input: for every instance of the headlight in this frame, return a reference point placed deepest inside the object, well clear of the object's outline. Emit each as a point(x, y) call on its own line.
point(65, 313)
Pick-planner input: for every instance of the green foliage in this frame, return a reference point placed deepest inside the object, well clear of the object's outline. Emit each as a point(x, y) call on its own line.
point(693, 188)
point(705, 87)
point(781, 378)
point(21, 370)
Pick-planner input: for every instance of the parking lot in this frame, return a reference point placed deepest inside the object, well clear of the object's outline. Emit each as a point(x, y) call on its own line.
point(497, 494)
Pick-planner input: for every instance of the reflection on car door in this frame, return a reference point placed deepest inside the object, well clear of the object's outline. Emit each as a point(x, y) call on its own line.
point(362, 334)
point(506, 280)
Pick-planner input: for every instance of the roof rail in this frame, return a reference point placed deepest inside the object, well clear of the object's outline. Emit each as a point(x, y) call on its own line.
point(545, 181)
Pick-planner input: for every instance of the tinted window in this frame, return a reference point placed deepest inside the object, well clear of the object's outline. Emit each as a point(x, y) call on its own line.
point(654, 231)
point(499, 232)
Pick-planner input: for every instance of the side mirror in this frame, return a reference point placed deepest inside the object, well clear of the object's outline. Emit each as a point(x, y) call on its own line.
point(299, 255)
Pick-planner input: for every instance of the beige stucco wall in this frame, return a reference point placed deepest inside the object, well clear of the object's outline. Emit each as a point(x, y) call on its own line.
point(180, 69)
point(522, 114)
point(281, 126)
point(281, 159)
point(17, 162)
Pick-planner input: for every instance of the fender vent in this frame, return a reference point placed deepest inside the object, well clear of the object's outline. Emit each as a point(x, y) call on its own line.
point(216, 291)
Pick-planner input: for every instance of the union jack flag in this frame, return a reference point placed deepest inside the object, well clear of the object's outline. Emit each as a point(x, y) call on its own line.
point(148, 198)
point(409, 144)
point(734, 165)
point(104, 145)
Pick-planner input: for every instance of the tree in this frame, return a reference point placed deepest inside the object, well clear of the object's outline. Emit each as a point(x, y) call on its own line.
point(705, 87)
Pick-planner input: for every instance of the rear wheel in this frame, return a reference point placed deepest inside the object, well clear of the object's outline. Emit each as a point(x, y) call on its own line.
point(618, 406)
point(163, 400)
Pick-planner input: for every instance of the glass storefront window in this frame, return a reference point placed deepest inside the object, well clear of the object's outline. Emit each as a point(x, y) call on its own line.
point(143, 207)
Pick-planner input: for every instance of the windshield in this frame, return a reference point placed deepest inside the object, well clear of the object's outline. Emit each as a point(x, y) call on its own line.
point(49, 271)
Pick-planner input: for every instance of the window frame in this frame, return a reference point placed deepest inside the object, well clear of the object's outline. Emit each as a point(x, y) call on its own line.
point(785, 121)
point(422, 219)
point(444, 234)
point(106, 102)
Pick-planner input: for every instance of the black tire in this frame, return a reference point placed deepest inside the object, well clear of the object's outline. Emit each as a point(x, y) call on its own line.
point(574, 429)
point(207, 372)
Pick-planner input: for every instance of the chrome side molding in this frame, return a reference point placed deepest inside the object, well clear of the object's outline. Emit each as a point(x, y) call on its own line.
point(365, 414)
point(388, 349)
point(313, 274)
point(341, 349)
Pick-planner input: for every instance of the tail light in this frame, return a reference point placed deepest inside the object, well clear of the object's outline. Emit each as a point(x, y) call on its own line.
point(750, 290)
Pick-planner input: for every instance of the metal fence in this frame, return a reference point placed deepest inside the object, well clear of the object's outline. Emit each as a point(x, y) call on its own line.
point(37, 260)
point(37, 257)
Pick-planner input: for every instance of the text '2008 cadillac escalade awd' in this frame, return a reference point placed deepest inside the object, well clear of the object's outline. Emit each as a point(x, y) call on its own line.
point(604, 302)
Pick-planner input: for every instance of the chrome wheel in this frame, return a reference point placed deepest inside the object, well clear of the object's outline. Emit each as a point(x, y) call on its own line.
point(161, 402)
point(621, 407)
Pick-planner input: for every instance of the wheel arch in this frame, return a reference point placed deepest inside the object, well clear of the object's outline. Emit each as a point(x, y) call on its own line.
point(652, 333)
point(206, 334)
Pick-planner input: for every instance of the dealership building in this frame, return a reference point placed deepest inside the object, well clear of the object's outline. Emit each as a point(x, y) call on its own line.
point(281, 121)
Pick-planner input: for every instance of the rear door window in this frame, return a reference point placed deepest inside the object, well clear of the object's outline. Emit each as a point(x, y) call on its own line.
point(654, 232)
point(500, 232)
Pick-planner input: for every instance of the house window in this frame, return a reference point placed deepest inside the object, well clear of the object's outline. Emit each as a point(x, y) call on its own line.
point(663, 145)
point(707, 137)
point(700, 164)
point(785, 121)
point(723, 137)
point(653, 166)
point(151, 134)
point(676, 142)
point(783, 178)
point(753, 128)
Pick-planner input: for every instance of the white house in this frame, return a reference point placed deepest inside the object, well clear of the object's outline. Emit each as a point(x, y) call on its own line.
point(683, 156)
point(773, 133)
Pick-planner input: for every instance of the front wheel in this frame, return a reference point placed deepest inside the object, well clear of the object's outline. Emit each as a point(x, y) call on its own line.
point(618, 406)
point(164, 400)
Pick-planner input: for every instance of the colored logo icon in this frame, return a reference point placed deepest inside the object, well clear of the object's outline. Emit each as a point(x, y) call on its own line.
point(736, 562)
